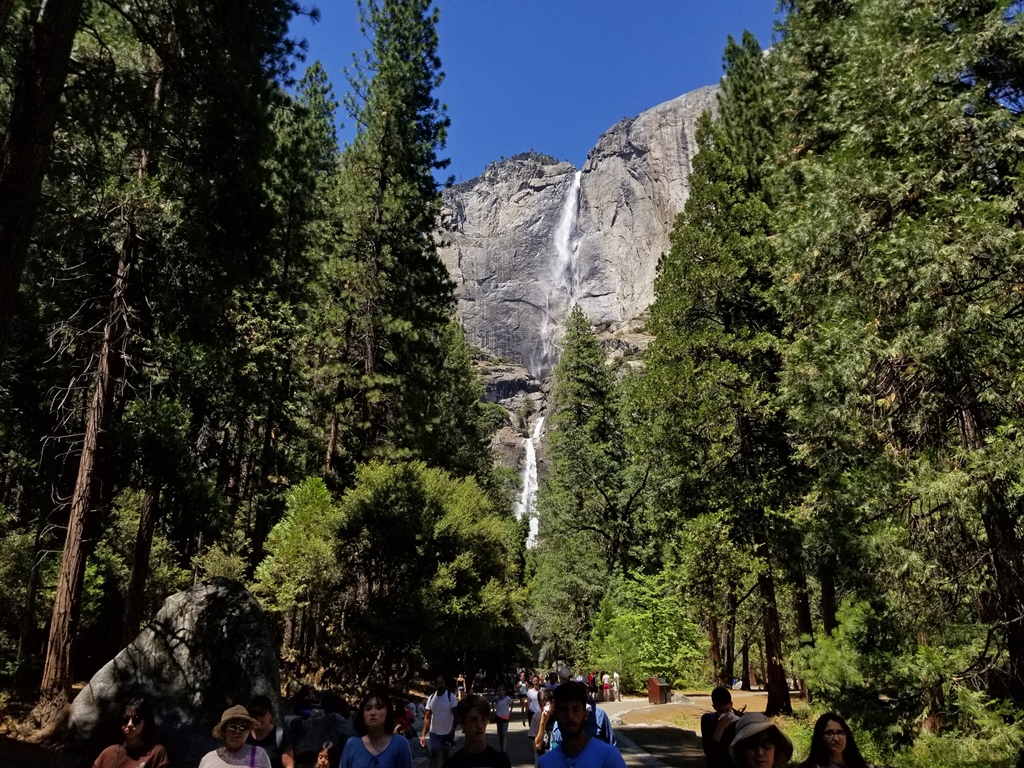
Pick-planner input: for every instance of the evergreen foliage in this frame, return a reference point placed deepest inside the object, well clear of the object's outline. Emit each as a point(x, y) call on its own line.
point(591, 502)
point(208, 276)
point(232, 352)
point(389, 297)
point(719, 439)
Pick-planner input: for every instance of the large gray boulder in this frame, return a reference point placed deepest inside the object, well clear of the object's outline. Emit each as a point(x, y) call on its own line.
point(208, 648)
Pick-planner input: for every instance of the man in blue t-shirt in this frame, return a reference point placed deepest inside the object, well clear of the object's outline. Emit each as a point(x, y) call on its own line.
point(598, 724)
point(577, 749)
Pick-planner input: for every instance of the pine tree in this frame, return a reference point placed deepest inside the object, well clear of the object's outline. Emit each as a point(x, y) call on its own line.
point(591, 501)
point(389, 296)
point(900, 246)
point(181, 94)
point(714, 423)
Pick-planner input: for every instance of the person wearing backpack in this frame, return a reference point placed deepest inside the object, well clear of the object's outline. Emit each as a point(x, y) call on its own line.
point(439, 724)
point(270, 735)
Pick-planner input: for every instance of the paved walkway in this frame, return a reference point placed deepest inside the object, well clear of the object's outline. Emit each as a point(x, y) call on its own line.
point(642, 746)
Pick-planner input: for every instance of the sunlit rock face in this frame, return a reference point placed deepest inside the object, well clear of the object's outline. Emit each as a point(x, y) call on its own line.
point(635, 180)
point(533, 236)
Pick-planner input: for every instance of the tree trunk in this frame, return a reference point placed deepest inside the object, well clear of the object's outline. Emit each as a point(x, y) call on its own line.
point(775, 676)
point(234, 491)
point(729, 637)
point(63, 624)
point(332, 439)
point(1008, 569)
point(140, 565)
point(28, 624)
point(43, 68)
point(828, 600)
point(715, 646)
point(804, 622)
point(745, 658)
point(1007, 560)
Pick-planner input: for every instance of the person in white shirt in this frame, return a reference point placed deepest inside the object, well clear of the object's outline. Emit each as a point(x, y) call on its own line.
point(438, 723)
point(531, 697)
point(502, 713)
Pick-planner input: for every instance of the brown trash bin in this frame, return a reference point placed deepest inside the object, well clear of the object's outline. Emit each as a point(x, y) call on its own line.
point(658, 690)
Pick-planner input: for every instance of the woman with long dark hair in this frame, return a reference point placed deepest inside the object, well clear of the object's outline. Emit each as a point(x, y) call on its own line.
point(139, 747)
point(832, 745)
point(376, 746)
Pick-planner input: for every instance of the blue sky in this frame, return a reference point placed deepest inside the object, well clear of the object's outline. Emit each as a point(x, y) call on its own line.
point(553, 75)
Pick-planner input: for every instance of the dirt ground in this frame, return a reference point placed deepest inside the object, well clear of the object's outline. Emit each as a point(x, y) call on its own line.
point(18, 754)
point(670, 733)
point(681, 714)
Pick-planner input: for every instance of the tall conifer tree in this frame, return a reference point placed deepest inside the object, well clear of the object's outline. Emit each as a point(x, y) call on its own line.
point(391, 296)
point(901, 261)
point(715, 426)
point(591, 501)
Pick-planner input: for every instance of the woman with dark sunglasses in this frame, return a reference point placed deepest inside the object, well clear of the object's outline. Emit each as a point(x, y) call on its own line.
point(233, 729)
point(139, 748)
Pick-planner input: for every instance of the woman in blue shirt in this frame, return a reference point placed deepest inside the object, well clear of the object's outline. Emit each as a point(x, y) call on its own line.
point(376, 746)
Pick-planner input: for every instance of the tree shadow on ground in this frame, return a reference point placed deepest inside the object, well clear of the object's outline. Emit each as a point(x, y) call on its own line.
point(674, 747)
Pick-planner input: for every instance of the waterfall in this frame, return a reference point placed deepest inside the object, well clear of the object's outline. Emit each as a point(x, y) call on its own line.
point(567, 244)
point(562, 288)
point(528, 500)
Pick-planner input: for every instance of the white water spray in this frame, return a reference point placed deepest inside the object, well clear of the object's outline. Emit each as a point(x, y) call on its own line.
point(562, 289)
point(567, 243)
point(528, 500)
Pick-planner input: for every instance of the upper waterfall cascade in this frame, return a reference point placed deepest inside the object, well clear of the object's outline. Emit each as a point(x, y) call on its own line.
point(562, 286)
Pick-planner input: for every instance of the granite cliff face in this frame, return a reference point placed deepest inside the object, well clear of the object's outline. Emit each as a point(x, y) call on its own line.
point(533, 236)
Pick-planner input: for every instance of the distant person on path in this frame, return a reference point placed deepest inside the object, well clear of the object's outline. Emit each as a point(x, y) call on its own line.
point(438, 723)
point(480, 682)
point(606, 686)
point(376, 746)
point(832, 744)
point(718, 728)
point(272, 737)
point(616, 687)
point(502, 714)
point(139, 748)
point(578, 749)
point(541, 724)
point(473, 714)
point(233, 728)
point(304, 703)
point(759, 743)
point(522, 686)
point(460, 685)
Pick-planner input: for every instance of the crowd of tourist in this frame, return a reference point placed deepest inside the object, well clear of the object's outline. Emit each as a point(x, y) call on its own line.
point(565, 725)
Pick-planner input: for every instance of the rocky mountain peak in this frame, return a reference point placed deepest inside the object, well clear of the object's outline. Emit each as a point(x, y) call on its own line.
point(532, 235)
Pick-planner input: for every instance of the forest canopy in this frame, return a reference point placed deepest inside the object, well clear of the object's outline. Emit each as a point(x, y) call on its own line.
point(228, 347)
